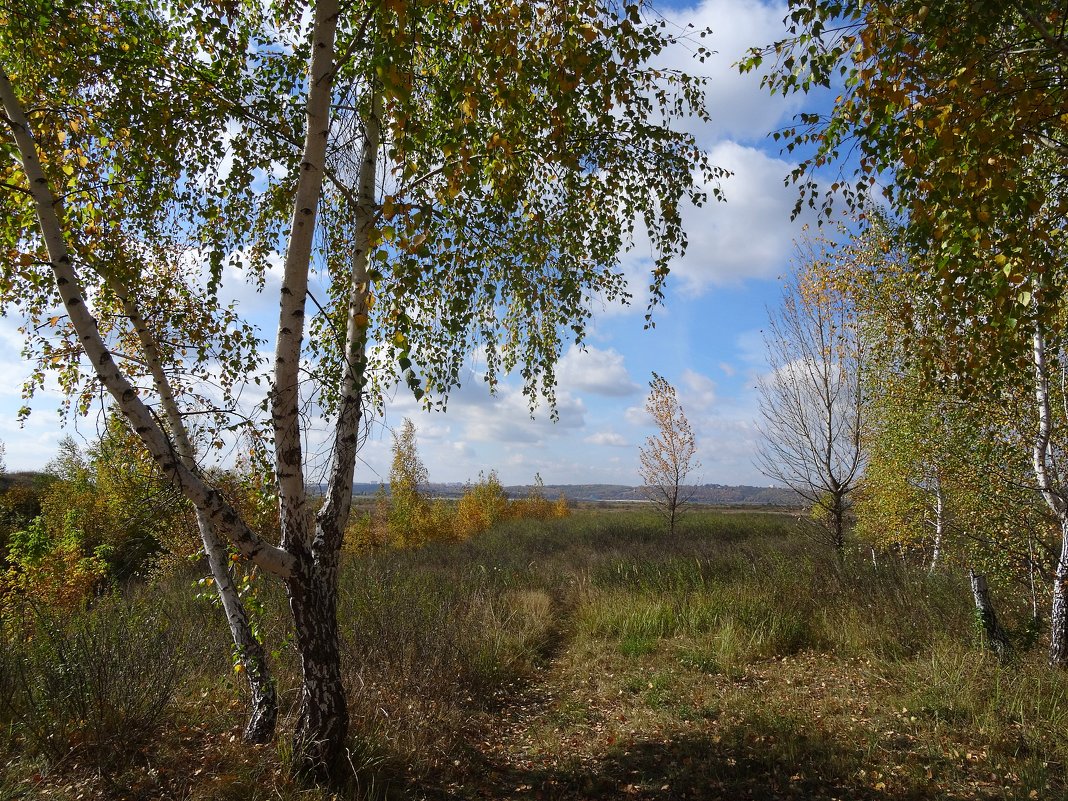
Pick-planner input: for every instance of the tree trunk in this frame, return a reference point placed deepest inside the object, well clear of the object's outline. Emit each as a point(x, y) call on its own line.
point(323, 719)
point(264, 715)
point(1058, 624)
point(1052, 493)
point(939, 526)
point(264, 702)
point(838, 524)
point(996, 638)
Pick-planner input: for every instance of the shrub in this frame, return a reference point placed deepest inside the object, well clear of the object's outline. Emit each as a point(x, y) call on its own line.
point(44, 573)
point(482, 506)
point(97, 683)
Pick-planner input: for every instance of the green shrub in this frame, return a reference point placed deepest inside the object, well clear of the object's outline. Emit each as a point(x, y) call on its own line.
point(98, 683)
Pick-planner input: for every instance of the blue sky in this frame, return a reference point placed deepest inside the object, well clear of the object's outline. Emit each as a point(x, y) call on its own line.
point(706, 342)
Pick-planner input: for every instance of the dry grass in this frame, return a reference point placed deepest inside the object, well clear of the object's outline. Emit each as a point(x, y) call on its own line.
point(589, 658)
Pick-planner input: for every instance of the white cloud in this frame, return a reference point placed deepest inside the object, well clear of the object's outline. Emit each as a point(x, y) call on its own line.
point(727, 368)
point(698, 391)
point(739, 108)
point(611, 439)
point(637, 416)
point(750, 236)
point(601, 372)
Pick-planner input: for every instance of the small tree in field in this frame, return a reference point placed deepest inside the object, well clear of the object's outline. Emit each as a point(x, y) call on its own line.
point(811, 400)
point(408, 505)
point(669, 457)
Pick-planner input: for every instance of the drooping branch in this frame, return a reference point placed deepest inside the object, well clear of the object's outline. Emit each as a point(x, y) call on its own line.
point(261, 725)
point(163, 451)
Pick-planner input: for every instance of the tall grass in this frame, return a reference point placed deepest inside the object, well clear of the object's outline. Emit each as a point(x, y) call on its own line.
point(92, 685)
point(437, 636)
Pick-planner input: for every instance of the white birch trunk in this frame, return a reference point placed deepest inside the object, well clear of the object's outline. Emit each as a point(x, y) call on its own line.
point(207, 499)
point(264, 714)
point(1058, 642)
point(322, 722)
point(939, 526)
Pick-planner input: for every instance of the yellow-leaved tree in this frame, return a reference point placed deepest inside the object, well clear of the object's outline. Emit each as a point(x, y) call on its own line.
point(669, 457)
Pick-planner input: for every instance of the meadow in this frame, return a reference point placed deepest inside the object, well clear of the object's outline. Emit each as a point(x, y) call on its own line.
point(589, 657)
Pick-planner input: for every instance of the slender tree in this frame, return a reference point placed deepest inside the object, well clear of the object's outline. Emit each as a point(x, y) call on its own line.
point(1050, 462)
point(409, 506)
point(811, 402)
point(669, 458)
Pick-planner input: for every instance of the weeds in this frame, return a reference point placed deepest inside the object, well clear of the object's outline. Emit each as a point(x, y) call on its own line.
point(93, 685)
point(575, 657)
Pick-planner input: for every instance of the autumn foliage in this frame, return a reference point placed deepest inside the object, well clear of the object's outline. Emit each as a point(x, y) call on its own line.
point(669, 457)
point(407, 517)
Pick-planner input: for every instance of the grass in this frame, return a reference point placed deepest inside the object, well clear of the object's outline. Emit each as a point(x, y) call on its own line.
point(586, 658)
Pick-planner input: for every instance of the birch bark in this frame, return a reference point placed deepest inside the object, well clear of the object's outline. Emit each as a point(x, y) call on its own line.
point(221, 514)
point(264, 701)
point(1052, 492)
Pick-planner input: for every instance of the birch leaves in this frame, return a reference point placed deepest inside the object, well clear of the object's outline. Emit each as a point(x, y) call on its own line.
point(669, 458)
point(959, 113)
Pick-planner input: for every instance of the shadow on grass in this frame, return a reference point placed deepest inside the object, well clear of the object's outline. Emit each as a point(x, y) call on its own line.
point(744, 762)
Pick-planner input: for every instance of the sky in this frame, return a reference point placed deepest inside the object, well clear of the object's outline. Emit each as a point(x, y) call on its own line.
point(707, 339)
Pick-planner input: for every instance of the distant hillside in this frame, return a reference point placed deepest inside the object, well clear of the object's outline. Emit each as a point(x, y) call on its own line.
point(712, 494)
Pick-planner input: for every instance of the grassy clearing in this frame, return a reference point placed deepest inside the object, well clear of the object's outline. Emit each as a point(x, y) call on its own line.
point(585, 658)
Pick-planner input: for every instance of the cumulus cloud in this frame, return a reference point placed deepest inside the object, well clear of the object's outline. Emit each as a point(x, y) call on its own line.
point(611, 439)
point(601, 372)
point(748, 237)
point(739, 108)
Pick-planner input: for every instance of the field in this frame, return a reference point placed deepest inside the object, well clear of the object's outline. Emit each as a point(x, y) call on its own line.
point(583, 658)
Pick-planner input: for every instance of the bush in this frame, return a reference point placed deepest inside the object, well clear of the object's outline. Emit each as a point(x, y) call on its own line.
point(44, 573)
point(97, 684)
point(481, 507)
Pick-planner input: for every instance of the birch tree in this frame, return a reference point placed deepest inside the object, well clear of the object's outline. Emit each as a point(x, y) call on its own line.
point(669, 458)
point(958, 114)
point(1050, 462)
point(451, 173)
point(811, 403)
